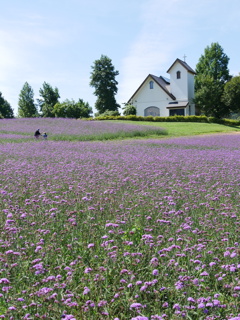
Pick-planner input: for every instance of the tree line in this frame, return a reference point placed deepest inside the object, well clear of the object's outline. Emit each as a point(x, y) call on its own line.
point(217, 93)
point(48, 105)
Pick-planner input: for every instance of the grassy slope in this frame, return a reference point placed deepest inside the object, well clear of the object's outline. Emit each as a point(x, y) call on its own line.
point(173, 129)
point(176, 129)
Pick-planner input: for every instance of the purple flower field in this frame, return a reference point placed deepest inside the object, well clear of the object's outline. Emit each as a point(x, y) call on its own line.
point(58, 128)
point(8, 136)
point(137, 230)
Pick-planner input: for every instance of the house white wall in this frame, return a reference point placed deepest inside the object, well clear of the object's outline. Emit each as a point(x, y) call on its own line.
point(181, 88)
point(191, 93)
point(146, 97)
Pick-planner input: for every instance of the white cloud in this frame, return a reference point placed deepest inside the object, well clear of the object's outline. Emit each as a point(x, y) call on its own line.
point(154, 48)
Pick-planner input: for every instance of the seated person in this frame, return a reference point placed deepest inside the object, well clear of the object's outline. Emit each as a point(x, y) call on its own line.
point(37, 134)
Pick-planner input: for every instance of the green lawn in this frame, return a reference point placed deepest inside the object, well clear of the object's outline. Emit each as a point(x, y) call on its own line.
point(176, 129)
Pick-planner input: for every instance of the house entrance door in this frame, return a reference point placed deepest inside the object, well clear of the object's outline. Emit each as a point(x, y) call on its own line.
point(176, 112)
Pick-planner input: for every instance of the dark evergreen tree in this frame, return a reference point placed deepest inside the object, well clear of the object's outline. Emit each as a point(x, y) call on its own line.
point(103, 80)
point(26, 106)
point(211, 75)
point(49, 98)
point(6, 111)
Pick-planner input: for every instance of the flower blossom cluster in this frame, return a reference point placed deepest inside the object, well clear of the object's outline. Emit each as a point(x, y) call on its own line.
point(138, 229)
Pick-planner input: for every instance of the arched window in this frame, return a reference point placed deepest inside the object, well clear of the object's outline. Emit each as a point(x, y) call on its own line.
point(151, 84)
point(178, 74)
point(152, 111)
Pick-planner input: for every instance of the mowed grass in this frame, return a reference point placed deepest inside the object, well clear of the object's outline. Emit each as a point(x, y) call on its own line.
point(178, 129)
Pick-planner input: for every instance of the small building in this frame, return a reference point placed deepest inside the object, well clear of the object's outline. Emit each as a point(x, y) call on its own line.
point(159, 96)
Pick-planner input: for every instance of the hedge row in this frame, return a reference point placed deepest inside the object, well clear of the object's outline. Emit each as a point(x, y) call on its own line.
point(204, 119)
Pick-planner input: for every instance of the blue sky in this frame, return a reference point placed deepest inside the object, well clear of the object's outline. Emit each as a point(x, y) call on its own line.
point(57, 41)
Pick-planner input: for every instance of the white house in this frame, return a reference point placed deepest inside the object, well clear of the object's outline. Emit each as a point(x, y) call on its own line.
point(158, 96)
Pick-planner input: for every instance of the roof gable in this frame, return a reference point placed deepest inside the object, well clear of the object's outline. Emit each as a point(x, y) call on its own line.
point(184, 64)
point(160, 81)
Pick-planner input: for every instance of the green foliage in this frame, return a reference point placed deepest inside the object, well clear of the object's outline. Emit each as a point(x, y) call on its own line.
point(129, 110)
point(49, 98)
point(212, 73)
point(107, 113)
point(6, 110)
point(231, 96)
point(226, 122)
point(201, 119)
point(72, 109)
point(26, 105)
point(133, 117)
point(214, 63)
point(208, 97)
point(103, 80)
point(149, 118)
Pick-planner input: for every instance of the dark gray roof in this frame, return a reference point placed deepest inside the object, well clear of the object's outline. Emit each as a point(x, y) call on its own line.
point(161, 81)
point(184, 64)
point(164, 84)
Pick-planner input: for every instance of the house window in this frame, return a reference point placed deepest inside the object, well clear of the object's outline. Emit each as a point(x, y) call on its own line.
point(178, 74)
point(151, 84)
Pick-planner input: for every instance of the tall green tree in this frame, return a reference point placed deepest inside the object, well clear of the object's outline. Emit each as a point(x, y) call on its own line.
point(6, 111)
point(26, 106)
point(231, 96)
point(211, 75)
point(208, 97)
point(103, 80)
point(49, 97)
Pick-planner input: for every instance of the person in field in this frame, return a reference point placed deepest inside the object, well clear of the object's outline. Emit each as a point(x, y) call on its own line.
point(37, 134)
point(44, 136)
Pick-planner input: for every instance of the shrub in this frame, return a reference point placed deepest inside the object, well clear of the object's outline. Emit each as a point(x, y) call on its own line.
point(129, 110)
point(203, 119)
point(149, 118)
point(227, 122)
point(108, 113)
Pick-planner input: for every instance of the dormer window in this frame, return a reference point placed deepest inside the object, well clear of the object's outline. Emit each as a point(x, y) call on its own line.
point(151, 84)
point(178, 74)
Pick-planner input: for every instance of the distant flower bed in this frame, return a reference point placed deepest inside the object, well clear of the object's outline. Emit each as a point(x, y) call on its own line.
point(67, 127)
point(214, 141)
point(12, 136)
